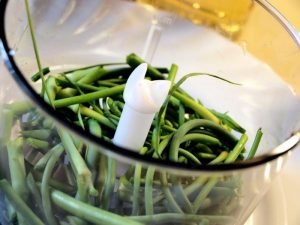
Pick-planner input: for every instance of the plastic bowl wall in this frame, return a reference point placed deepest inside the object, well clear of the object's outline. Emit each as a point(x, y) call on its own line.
point(264, 58)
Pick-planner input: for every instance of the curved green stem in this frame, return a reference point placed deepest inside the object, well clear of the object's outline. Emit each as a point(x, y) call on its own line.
point(179, 195)
point(200, 109)
point(255, 144)
point(133, 60)
point(6, 125)
point(200, 181)
point(89, 97)
point(149, 191)
point(92, 154)
point(88, 212)
point(42, 134)
point(45, 189)
point(110, 183)
point(233, 155)
point(170, 218)
point(204, 193)
point(136, 189)
point(17, 170)
point(189, 156)
point(35, 77)
point(222, 134)
point(36, 51)
point(220, 158)
point(19, 205)
point(173, 205)
point(35, 192)
point(101, 177)
point(83, 174)
point(201, 138)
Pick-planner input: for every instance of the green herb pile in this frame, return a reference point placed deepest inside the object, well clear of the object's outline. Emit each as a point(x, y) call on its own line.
point(56, 178)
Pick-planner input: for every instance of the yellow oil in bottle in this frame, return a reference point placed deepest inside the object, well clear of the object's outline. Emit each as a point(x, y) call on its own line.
point(226, 15)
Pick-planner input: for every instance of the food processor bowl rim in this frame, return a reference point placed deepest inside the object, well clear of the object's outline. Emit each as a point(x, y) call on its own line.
point(7, 55)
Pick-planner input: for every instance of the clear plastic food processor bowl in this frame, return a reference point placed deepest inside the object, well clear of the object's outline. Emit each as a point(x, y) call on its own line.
point(264, 57)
